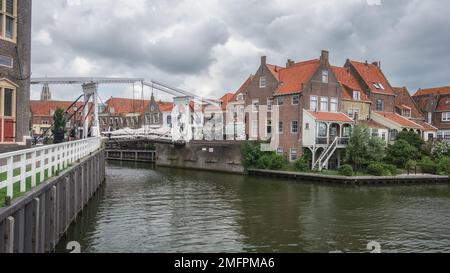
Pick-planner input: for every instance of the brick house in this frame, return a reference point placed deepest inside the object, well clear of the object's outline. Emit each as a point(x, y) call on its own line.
point(387, 105)
point(235, 113)
point(15, 55)
point(298, 90)
point(42, 116)
point(120, 113)
point(158, 113)
point(408, 108)
point(319, 103)
point(435, 104)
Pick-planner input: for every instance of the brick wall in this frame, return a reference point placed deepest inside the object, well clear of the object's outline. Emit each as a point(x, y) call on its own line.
point(21, 70)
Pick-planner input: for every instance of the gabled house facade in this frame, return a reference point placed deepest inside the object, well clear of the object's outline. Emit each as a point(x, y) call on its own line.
point(435, 104)
point(309, 98)
point(318, 104)
point(235, 113)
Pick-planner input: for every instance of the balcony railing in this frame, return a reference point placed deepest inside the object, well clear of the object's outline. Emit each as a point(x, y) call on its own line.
point(326, 141)
point(28, 168)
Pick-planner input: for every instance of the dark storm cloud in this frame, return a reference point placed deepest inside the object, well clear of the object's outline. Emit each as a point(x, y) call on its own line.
point(211, 46)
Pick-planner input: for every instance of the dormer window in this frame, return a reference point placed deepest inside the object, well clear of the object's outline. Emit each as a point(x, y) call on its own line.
point(406, 113)
point(240, 97)
point(262, 82)
point(356, 95)
point(378, 85)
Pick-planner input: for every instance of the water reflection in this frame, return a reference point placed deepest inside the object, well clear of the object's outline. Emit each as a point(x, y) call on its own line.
point(142, 209)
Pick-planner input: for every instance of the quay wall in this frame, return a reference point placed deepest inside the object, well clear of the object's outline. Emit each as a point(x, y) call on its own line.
point(354, 180)
point(37, 221)
point(221, 156)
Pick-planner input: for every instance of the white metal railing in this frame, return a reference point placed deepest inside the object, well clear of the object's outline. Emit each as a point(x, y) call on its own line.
point(326, 155)
point(18, 166)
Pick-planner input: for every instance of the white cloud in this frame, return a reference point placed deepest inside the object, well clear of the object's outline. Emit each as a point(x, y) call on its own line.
point(211, 46)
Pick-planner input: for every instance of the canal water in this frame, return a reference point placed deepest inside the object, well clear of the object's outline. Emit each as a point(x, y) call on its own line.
point(146, 209)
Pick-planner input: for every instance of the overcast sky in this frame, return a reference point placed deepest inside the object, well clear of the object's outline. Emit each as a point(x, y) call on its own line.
point(211, 46)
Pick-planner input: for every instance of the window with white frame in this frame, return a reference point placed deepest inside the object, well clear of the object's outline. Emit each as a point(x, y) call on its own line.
point(375, 132)
point(280, 101)
point(240, 97)
point(333, 105)
point(262, 82)
point(8, 19)
point(324, 104)
point(280, 127)
point(255, 105)
point(294, 127)
point(356, 95)
point(280, 151)
point(325, 76)
point(293, 154)
point(295, 99)
point(313, 103)
point(406, 113)
point(380, 105)
point(269, 104)
point(446, 116)
point(322, 132)
point(353, 113)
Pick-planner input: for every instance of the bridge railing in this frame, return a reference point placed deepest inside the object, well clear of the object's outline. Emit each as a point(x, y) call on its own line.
point(23, 170)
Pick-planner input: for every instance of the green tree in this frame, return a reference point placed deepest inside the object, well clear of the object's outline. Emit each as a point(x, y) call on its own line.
point(376, 149)
point(412, 138)
point(400, 153)
point(443, 165)
point(363, 148)
point(59, 126)
point(251, 153)
point(302, 164)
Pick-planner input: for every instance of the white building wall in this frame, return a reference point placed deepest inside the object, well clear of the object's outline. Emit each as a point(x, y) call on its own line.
point(308, 135)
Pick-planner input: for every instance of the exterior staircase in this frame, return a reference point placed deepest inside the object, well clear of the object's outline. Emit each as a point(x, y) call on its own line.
point(322, 162)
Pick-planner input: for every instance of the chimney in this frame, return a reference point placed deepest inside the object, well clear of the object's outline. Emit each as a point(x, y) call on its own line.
point(263, 60)
point(367, 63)
point(289, 63)
point(324, 57)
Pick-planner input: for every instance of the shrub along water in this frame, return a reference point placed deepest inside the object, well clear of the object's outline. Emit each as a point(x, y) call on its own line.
point(346, 170)
point(254, 157)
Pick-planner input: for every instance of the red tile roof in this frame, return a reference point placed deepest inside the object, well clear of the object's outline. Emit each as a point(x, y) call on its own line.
point(225, 99)
point(403, 100)
point(123, 106)
point(426, 126)
point(165, 106)
point(330, 116)
point(275, 70)
point(443, 104)
point(372, 124)
point(346, 78)
point(433, 91)
point(292, 78)
point(402, 121)
point(371, 74)
point(45, 108)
